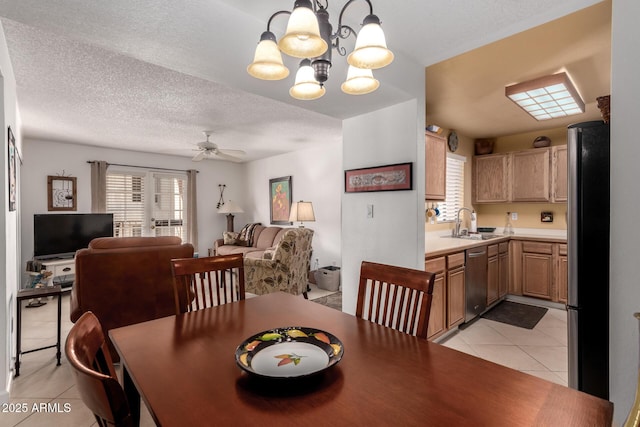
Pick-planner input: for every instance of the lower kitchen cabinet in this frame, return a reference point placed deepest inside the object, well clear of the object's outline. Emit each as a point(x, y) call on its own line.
point(455, 289)
point(438, 314)
point(493, 275)
point(562, 274)
point(539, 270)
point(503, 269)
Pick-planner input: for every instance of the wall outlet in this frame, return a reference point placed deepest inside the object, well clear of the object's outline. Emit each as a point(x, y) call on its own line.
point(369, 211)
point(514, 216)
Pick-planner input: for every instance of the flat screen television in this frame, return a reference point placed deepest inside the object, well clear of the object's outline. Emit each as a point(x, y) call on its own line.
point(61, 235)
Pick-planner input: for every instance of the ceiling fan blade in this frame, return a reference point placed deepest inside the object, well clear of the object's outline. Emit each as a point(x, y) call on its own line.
point(199, 156)
point(225, 156)
point(233, 152)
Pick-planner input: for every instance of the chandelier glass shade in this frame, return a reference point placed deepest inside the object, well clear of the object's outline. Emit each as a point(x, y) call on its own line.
point(306, 87)
point(302, 39)
point(360, 81)
point(309, 35)
point(267, 62)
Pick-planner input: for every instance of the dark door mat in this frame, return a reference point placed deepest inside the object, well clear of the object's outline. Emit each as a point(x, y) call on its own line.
point(516, 314)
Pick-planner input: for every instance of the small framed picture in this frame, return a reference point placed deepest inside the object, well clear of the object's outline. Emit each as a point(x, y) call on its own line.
point(61, 193)
point(280, 197)
point(546, 216)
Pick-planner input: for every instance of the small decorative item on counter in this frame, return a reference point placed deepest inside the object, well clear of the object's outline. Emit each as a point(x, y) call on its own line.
point(603, 105)
point(541, 141)
point(484, 146)
point(508, 228)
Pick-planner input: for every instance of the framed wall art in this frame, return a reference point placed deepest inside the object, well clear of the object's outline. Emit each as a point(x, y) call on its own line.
point(12, 179)
point(381, 178)
point(61, 193)
point(280, 192)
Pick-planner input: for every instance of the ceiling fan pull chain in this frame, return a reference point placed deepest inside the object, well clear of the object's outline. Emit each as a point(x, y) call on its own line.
point(221, 187)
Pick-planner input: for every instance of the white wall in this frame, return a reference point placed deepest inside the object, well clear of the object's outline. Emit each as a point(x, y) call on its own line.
point(395, 234)
point(316, 177)
point(625, 206)
point(9, 116)
point(42, 158)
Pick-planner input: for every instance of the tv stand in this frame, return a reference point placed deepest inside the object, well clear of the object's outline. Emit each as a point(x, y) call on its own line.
point(63, 269)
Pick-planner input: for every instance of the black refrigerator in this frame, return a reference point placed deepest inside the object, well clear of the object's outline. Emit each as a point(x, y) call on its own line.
point(588, 257)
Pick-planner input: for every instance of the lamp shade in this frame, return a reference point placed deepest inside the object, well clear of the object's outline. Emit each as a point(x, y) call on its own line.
point(230, 207)
point(306, 87)
point(302, 38)
point(359, 81)
point(301, 211)
point(267, 62)
point(371, 46)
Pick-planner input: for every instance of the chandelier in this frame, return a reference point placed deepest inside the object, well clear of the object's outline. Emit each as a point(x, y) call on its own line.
point(310, 36)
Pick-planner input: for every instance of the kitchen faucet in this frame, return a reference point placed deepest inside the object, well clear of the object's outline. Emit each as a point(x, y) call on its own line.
point(456, 230)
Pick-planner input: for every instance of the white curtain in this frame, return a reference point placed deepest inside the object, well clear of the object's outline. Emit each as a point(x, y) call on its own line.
point(192, 209)
point(99, 186)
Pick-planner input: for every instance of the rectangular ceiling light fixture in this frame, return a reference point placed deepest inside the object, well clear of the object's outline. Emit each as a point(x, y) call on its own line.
point(548, 97)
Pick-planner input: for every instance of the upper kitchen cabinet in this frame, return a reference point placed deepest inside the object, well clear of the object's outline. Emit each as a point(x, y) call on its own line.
point(491, 180)
point(559, 184)
point(535, 175)
point(435, 166)
point(530, 172)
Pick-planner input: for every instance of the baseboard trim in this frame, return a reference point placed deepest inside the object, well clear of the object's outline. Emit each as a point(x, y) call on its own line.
point(536, 301)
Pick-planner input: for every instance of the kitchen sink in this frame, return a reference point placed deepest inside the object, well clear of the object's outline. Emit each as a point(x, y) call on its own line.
point(479, 236)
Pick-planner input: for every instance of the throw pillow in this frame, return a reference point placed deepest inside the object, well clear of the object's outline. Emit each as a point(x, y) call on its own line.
point(230, 238)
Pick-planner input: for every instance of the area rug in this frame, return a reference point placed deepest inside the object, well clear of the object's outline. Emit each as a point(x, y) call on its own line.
point(333, 300)
point(516, 314)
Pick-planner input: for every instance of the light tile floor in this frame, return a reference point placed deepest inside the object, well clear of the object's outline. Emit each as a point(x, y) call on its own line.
point(541, 351)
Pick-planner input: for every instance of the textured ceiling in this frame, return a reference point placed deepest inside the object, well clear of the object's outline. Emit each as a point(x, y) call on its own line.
point(150, 75)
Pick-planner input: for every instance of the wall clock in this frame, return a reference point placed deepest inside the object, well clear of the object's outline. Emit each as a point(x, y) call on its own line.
point(452, 141)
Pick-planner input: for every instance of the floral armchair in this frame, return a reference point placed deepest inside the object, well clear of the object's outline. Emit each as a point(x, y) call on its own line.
point(283, 268)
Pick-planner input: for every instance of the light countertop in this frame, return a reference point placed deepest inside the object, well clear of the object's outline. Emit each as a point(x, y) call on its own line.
point(439, 243)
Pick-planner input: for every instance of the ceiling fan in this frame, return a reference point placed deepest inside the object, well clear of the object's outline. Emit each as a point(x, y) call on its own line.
point(209, 150)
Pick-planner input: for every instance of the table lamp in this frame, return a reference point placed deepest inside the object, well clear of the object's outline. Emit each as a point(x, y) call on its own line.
point(301, 211)
point(230, 208)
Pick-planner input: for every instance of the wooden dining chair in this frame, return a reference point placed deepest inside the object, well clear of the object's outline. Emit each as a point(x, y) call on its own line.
point(207, 281)
point(396, 297)
point(94, 373)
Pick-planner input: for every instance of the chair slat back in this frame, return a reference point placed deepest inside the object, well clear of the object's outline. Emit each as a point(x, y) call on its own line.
point(208, 281)
point(94, 373)
point(396, 297)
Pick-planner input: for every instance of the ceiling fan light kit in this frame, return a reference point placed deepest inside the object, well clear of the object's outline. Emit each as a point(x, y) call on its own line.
point(310, 36)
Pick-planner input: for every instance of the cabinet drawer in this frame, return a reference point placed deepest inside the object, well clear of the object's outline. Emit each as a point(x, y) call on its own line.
point(503, 247)
point(455, 260)
point(435, 265)
point(61, 269)
point(537, 247)
point(562, 249)
point(492, 250)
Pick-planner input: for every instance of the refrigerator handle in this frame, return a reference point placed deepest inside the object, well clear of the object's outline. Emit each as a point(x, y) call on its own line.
point(574, 359)
point(573, 214)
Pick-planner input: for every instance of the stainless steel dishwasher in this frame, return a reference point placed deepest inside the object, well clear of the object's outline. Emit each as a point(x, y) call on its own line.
point(475, 282)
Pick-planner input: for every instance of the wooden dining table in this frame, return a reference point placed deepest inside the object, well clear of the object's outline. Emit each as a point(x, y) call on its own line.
point(184, 369)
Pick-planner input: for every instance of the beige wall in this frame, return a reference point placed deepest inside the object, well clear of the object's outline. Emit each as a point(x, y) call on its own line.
point(494, 215)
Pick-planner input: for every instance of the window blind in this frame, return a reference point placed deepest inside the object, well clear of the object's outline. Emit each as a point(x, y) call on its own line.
point(170, 196)
point(125, 199)
point(454, 196)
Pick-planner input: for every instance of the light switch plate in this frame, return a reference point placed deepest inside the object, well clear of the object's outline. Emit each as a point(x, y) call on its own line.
point(514, 216)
